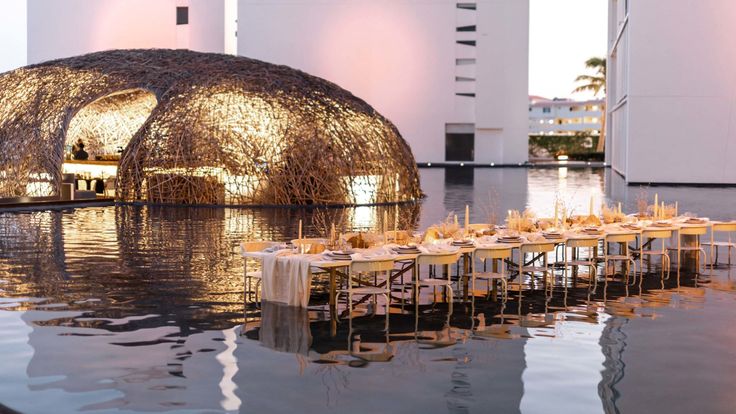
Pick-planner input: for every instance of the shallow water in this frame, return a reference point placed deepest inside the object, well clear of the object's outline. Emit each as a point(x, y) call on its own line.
point(135, 309)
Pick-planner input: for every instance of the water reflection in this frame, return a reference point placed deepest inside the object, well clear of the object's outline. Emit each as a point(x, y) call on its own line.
point(141, 309)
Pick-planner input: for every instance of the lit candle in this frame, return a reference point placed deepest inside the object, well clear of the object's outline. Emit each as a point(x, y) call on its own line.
point(619, 207)
point(508, 218)
point(656, 205)
point(300, 230)
point(676, 210)
point(456, 223)
point(467, 218)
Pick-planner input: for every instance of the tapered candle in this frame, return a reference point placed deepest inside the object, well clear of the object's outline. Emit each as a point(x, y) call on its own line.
point(676, 211)
point(467, 218)
point(508, 218)
point(385, 221)
point(300, 230)
point(619, 207)
point(590, 210)
point(656, 205)
point(396, 221)
point(456, 223)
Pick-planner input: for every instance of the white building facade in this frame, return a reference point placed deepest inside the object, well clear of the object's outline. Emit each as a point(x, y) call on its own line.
point(452, 75)
point(564, 116)
point(671, 92)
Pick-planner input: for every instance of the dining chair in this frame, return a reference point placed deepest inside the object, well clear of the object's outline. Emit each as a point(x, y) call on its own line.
point(397, 236)
point(624, 254)
point(493, 254)
point(357, 285)
point(435, 259)
point(254, 272)
point(578, 243)
point(721, 227)
point(695, 231)
point(652, 234)
point(540, 249)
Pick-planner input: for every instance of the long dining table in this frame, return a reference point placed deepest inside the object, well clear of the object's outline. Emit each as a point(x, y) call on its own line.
point(336, 269)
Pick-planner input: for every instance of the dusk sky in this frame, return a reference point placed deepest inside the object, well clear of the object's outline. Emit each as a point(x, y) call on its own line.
point(562, 35)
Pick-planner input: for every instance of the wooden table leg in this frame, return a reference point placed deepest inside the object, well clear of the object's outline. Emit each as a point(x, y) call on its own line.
point(333, 287)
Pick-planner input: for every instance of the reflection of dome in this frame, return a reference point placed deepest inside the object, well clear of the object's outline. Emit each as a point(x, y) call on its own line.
point(200, 128)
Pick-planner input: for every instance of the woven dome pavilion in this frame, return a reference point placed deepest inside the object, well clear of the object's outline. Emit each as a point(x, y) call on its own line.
point(200, 128)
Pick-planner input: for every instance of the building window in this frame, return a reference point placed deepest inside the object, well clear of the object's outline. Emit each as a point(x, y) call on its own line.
point(465, 61)
point(546, 110)
point(182, 15)
point(466, 42)
point(466, 28)
point(459, 146)
point(468, 94)
point(464, 79)
point(466, 6)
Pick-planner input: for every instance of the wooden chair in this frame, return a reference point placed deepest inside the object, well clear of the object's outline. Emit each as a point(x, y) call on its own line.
point(356, 286)
point(623, 238)
point(494, 253)
point(590, 243)
point(536, 248)
point(654, 234)
point(690, 230)
point(435, 259)
point(721, 227)
point(254, 272)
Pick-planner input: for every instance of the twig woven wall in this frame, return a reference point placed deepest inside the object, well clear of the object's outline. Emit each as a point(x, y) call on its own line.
point(221, 130)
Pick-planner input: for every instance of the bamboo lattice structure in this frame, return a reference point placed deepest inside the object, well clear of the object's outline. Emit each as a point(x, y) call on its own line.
point(200, 128)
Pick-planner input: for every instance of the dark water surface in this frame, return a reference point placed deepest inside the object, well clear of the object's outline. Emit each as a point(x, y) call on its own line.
point(140, 309)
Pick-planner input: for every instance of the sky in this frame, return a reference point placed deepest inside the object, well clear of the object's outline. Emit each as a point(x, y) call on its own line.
point(562, 35)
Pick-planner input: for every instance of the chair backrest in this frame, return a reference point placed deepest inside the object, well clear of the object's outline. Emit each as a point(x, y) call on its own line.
point(582, 242)
point(693, 230)
point(256, 246)
point(372, 265)
point(656, 234)
point(542, 247)
point(622, 237)
point(438, 258)
point(492, 253)
point(310, 245)
point(727, 226)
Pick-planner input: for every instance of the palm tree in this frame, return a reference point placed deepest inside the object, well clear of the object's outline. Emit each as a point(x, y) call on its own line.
point(595, 83)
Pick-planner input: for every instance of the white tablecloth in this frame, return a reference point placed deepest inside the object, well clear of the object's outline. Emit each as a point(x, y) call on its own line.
point(286, 278)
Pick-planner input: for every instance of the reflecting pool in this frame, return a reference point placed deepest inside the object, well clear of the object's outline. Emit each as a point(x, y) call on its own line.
point(133, 309)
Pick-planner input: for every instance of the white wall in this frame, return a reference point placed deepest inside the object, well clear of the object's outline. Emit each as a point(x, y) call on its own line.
point(13, 34)
point(66, 28)
point(678, 123)
point(399, 56)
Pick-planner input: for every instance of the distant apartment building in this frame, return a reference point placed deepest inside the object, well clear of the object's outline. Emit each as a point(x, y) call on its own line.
point(564, 116)
point(672, 91)
point(452, 75)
